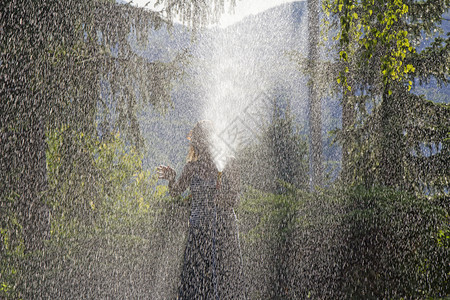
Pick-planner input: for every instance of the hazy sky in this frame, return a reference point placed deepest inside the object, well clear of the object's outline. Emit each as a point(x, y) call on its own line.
point(243, 8)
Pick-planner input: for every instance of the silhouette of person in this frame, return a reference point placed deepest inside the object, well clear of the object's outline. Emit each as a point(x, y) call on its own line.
point(212, 267)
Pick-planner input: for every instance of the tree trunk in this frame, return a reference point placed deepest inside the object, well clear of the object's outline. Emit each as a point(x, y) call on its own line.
point(23, 168)
point(315, 114)
point(348, 119)
point(390, 141)
point(37, 217)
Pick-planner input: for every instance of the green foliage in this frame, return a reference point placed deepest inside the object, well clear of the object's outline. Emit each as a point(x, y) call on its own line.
point(195, 13)
point(385, 126)
point(55, 56)
point(433, 61)
point(331, 244)
point(279, 157)
point(375, 28)
point(108, 217)
point(114, 231)
point(291, 243)
point(11, 248)
point(84, 171)
point(391, 238)
point(64, 66)
point(270, 213)
point(267, 224)
point(346, 243)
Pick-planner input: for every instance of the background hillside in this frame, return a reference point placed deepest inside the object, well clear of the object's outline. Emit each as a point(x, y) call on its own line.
point(252, 58)
point(255, 54)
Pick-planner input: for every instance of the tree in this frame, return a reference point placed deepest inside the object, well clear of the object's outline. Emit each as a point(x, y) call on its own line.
point(195, 13)
point(378, 67)
point(277, 164)
point(52, 80)
point(277, 161)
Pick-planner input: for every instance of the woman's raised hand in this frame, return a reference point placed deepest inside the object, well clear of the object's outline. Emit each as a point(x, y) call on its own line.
point(166, 172)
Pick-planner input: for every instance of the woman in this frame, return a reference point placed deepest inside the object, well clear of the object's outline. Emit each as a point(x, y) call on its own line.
point(212, 266)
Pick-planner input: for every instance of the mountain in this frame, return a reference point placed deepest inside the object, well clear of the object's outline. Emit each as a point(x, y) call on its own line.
point(233, 70)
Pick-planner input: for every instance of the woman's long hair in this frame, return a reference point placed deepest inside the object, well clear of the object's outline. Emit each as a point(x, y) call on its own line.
point(200, 137)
